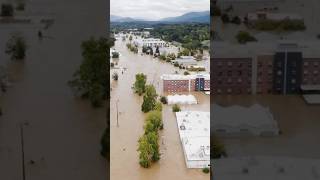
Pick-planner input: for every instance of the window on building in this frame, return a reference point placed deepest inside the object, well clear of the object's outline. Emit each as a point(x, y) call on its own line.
point(229, 63)
point(279, 73)
point(279, 64)
point(306, 63)
point(293, 81)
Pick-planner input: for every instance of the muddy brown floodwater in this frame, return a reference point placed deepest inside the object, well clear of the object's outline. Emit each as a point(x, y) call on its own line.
point(61, 133)
point(124, 138)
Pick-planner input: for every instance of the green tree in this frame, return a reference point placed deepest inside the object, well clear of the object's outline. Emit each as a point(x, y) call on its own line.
point(148, 149)
point(140, 83)
point(158, 106)
point(244, 37)
point(104, 144)
point(153, 122)
point(218, 148)
point(149, 99)
point(176, 108)
point(89, 81)
point(16, 47)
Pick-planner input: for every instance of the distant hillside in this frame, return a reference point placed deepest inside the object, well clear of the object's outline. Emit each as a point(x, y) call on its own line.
point(196, 17)
point(114, 18)
point(203, 17)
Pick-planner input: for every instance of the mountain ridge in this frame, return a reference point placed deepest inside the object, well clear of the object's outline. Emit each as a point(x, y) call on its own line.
point(197, 17)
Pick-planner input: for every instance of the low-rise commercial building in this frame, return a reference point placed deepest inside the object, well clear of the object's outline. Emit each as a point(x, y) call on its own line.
point(185, 83)
point(265, 68)
point(194, 131)
point(237, 120)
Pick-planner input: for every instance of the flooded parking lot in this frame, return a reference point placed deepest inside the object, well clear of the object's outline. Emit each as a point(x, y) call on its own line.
point(124, 155)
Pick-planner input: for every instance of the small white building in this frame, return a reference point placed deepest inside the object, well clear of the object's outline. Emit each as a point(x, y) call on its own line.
point(181, 99)
point(194, 131)
point(237, 120)
point(150, 42)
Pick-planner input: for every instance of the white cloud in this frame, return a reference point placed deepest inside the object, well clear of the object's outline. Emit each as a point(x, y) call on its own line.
point(156, 9)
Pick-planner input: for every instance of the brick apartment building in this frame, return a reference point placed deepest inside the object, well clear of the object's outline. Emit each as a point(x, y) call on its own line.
point(276, 69)
point(185, 83)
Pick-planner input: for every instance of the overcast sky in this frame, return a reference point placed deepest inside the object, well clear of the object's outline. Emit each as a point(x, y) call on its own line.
point(156, 9)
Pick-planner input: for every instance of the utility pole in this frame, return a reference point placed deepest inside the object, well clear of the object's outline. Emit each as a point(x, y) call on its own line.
point(22, 152)
point(117, 113)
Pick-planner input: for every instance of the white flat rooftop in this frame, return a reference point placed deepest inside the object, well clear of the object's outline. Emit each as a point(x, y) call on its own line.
point(312, 98)
point(254, 116)
point(181, 99)
point(194, 131)
point(206, 76)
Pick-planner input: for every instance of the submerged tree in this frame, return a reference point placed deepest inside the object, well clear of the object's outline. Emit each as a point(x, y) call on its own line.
point(16, 47)
point(149, 99)
point(104, 144)
point(140, 83)
point(89, 81)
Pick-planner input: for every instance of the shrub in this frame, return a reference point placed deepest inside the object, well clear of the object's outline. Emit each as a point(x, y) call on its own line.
point(225, 18)
point(236, 20)
point(244, 37)
point(163, 99)
point(115, 76)
point(186, 73)
point(176, 64)
point(20, 6)
point(162, 57)
point(7, 10)
point(115, 55)
point(171, 56)
point(206, 170)
point(176, 108)
point(16, 47)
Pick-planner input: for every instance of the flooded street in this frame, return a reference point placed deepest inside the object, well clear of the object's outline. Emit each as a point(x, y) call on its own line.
point(124, 138)
point(61, 133)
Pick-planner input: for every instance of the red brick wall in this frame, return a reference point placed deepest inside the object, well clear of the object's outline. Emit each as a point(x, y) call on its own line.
point(311, 71)
point(231, 75)
point(264, 74)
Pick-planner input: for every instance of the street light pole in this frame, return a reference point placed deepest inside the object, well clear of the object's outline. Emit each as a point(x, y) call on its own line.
point(22, 152)
point(117, 113)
